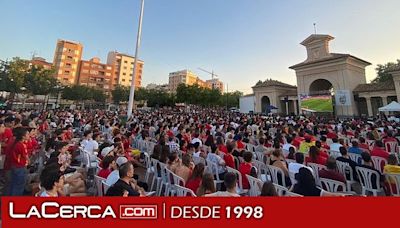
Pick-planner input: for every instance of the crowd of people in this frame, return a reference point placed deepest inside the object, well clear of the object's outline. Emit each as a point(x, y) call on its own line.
point(214, 152)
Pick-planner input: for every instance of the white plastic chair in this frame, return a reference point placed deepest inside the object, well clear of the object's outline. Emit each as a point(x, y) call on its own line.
point(164, 179)
point(172, 180)
point(156, 177)
point(288, 161)
point(255, 185)
point(274, 171)
point(283, 191)
point(370, 143)
point(391, 147)
point(355, 157)
point(149, 168)
point(241, 191)
point(332, 185)
point(334, 154)
point(393, 179)
point(378, 162)
point(99, 187)
point(250, 147)
point(183, 192)
point(345, 169)
point(213, 169)
point(262, 170)
point(365, 176)
point(260, 156)
point(316, 168)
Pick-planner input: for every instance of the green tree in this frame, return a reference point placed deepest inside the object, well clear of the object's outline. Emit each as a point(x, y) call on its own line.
point(382, 71)
point(40, 81)
point(120, 94)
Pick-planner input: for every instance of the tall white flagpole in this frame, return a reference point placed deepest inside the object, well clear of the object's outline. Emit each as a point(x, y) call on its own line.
point(139, 35)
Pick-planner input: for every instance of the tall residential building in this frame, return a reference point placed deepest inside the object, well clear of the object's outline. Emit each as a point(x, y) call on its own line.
point(39, 61)
point(185, 77)
point(215, 83)
point(123, 66)
point(92, 73)
point(66, 61)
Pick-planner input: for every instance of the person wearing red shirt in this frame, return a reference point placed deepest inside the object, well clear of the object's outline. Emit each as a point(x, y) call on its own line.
point(379, 150)
point(246, 168)
point(239, 144)
point(362, 144)
point(221, 146)
point(324, 144)
point(297, 140)
point(7, 134)
point(322, 151)
point(16, 162)
point(315, 156)
point(194, 181)
point(331, 135)
point(228, 157)
point(108, 165)
point(331, 172)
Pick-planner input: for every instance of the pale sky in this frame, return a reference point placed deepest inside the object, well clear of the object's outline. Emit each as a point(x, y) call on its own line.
point(243, 41)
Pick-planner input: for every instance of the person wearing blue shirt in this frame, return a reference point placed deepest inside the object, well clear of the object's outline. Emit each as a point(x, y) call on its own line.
point(354, 148)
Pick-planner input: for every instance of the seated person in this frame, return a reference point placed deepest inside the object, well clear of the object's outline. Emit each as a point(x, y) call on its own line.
point(294, 167)
point(108, 165)
point(355, 149)
point(392, 168)
point(230, 182)
point(306, 185)
point(315, 156)
point(277, 160)
point(52, 180)
point(379, 150)
point(367, 163)
point(126, 182)
point(331, 171)
point(247, 168)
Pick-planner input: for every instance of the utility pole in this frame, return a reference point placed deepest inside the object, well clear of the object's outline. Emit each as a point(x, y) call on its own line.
point(139, 35)
point(227, 94)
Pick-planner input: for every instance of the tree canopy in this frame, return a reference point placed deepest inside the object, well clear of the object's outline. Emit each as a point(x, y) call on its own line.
point(382, 71)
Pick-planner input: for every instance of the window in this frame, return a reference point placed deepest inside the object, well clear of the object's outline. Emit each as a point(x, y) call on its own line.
point(123, 80)
point(65, 79)
point(66, 72)
point(125, 67)
point(69, 57)
point(124, 74)
point(85, 71)
point(108, 68)
point(68, 64)
point(131, 75)
point(108, 74)
point(125, 61)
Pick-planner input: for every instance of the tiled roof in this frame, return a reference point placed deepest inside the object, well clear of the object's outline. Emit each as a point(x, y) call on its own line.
point(271, 82)
point(381, 86)
point(332, 56)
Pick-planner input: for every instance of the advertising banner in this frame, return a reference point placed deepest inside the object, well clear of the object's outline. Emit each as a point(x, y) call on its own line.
point(342, 98)
point(195, 212)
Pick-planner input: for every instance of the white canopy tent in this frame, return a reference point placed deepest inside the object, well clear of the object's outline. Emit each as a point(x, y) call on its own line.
point(392, 107)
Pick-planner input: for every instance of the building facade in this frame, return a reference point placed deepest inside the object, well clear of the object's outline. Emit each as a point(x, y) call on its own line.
point(41, 62)
point(92, 73)
point(325, 73)
point(66, 60)
point(186, 77)
point(215, 83)
point(123, 69)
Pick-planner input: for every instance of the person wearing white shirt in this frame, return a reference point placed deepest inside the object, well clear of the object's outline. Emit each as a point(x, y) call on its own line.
point(294, 168)
point(287, 145)
point(114, 175)
point(215, 158)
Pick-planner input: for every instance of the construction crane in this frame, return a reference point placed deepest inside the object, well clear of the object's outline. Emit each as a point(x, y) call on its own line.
point(212, 72)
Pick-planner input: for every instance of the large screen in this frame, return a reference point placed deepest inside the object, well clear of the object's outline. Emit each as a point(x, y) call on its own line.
point(317, 103)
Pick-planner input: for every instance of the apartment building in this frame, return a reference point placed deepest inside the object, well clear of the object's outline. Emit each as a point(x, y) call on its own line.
point(123, 69)
point(95, 74)
point(66, 60)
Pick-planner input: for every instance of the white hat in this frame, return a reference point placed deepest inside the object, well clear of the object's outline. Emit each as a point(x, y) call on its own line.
point(106, 150)
point(121, 160)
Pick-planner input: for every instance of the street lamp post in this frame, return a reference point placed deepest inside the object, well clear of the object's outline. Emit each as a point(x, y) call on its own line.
point(139, 35)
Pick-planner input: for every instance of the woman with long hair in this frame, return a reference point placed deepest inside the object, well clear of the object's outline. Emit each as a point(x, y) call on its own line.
point(16, 162)
point(195, 179)
point(306, 185)
point(315, 156)
point(207, 185)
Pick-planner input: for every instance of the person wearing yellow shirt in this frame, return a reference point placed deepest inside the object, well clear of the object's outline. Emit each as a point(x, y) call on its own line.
point(392, 168)
point(305, 145)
